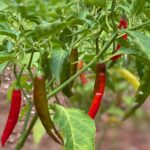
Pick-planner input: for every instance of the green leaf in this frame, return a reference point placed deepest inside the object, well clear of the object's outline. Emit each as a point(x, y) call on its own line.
point(10, 33)
point(9, 46)
point(57, 60)
point(2, 37)
point(3, 5)
point(125, 7)
point(77, 128)
point(2, 67)
point(143, 40)
point(140, 68)
point(97, 3)
point(25, 84)
point(26, 58)
point(139, 47)
point(135, 52)
point(76, 21)
point(10, 89)
point(142, 93)
point(38, 132)
point(6, 57)
point(147, 11)
point(137, 6)
point(33, 18)
point(23, 111)
point(66, 36)
point(48, 29)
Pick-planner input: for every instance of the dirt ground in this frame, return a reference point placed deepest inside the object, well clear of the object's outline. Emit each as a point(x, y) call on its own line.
point(133, 134)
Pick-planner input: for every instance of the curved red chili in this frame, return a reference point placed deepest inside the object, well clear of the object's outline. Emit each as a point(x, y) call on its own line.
point(99, 89)
point(82, 75)
point(13, 115)
point(95, 105)
point(41, 106)
point(122, 24)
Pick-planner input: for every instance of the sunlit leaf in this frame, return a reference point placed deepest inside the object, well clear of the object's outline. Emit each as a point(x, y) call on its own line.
point(77, 128)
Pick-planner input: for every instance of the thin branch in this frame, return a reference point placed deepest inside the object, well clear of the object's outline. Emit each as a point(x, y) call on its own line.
point(112, 19)
point(112, 14)
point(27, 119)
point(97, 41)
point(25, 136)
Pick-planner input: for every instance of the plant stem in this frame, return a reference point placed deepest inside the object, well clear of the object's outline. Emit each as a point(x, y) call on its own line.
point(56, 97)
point(97, 41)
point(112, 14)
point(15, 71)
point(31, 57)
point(48, 85)
point(25, 136)
point(20, 74)
point(31, 75)
point(27, 118)
point(29, 65)
point(32, 53)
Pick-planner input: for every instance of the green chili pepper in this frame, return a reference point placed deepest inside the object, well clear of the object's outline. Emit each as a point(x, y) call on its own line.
point(69, 69)
point(46, 65)
point(74, 64)
point(65, 75)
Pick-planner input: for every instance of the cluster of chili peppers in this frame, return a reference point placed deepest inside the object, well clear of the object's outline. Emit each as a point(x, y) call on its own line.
point(100, 80)
point(41, 101)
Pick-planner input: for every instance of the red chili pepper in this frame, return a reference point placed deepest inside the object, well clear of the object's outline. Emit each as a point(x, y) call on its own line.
point(41, 106)
point(99, 89)
point(13, 115)
point(82, 75)
point(122, 24)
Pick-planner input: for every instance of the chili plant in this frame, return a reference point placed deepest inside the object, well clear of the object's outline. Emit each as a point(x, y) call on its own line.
point(53, 38)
